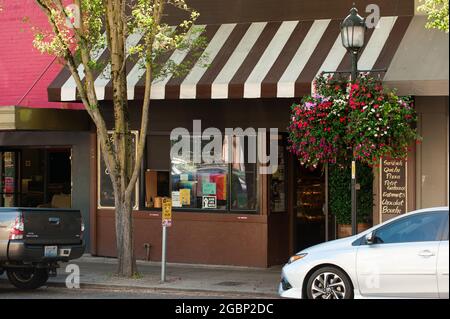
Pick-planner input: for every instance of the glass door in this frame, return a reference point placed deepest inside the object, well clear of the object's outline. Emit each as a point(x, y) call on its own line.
point(9, 178)
point(309, 207)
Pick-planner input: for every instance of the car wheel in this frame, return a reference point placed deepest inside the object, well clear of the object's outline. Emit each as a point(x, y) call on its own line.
point(27, 278)
point(329, 283)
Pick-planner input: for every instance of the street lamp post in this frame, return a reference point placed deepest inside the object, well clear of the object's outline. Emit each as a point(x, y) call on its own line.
point(352, 33)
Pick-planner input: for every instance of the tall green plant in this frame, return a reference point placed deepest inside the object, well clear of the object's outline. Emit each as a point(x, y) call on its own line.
point(340, 193)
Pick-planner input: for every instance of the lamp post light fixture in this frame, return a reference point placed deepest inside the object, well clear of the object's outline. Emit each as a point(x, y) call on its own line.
point(352, 33)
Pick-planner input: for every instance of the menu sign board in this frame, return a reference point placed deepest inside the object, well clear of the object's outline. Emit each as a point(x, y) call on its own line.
point(393, 188)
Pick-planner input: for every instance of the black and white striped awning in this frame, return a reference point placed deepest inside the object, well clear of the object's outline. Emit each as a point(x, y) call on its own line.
point(252, 60)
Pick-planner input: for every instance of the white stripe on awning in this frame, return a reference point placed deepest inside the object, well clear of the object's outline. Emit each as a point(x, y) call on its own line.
point(135, 75)
point(69, 89)
point(188, 87)
point(252, 87)
point(334, 58)
point(104, 77)
point(286, 85)
point(159, 85)
point(219, 87)
point(376, 43)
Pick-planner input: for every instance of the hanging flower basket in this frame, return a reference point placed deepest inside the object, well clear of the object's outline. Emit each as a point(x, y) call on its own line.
point(345, 120)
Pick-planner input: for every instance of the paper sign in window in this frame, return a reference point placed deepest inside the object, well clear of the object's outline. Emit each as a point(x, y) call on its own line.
point(209, 188)
point(185, 196)
point(176, 199)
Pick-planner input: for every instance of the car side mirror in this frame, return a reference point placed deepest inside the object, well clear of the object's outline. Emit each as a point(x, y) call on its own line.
point(370, 238)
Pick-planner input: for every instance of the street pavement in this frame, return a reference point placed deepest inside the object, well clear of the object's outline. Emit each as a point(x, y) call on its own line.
point(98, 280)
point(7, 291)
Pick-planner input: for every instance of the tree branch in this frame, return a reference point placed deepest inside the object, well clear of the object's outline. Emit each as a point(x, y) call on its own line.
point(146, 102)
point(92, 109)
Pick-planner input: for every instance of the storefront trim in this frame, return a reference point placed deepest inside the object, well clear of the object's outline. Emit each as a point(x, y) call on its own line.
point(32, 119)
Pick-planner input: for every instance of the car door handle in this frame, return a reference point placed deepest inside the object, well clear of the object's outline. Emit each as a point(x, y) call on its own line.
point(426, 253)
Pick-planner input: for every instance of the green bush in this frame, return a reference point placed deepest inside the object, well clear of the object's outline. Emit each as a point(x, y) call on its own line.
point(340, 193)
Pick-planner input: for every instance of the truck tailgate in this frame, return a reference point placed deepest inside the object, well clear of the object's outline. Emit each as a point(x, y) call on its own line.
point(52, 226)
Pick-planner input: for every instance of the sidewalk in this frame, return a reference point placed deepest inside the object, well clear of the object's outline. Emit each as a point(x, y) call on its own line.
point(100, 271)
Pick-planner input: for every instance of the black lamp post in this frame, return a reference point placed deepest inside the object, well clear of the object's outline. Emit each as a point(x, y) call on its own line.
point(352, 33)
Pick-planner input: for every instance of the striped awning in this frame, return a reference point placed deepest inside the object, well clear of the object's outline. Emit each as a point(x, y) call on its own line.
point(252, 60)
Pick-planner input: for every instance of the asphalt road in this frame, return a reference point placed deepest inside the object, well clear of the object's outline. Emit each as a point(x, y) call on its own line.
point(59, 292)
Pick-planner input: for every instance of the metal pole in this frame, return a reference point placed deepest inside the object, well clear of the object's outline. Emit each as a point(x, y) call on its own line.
point(354, 65)
point(354, 215)
point(327, 223)
point(163, 257)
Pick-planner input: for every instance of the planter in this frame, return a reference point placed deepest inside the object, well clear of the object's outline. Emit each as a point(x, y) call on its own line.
point(345, 230)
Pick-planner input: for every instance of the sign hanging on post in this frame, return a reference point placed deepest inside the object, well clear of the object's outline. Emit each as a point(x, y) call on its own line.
point(393, 188)
point(167, 212)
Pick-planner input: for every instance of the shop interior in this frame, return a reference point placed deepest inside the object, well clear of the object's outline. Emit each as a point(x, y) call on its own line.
point(35, 177)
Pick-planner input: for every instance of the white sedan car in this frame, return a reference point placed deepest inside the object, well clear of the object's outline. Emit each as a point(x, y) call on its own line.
point(405, 257)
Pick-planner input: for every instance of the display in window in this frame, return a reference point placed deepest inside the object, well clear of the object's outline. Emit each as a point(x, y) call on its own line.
point(194, 182)
point(156, 187)
point(216, 186)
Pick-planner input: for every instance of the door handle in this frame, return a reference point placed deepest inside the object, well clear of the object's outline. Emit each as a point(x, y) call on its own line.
point(426, 253)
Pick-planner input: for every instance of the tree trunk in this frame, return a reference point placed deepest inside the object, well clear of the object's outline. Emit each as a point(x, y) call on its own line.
point(124, 236)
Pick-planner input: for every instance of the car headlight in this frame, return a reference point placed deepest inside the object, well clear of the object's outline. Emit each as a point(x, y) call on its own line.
point(297, 257)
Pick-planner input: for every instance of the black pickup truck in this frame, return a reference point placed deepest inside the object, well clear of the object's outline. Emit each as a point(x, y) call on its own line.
point(34, 240)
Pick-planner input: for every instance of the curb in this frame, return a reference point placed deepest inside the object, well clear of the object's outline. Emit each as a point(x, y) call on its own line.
point(113, 261)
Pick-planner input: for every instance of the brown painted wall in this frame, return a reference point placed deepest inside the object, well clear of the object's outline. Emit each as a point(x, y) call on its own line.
point(167, 115)
point(197, 238)
point(235, 11)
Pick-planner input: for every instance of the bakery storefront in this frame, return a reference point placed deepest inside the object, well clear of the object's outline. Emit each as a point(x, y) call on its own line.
point(228, 213)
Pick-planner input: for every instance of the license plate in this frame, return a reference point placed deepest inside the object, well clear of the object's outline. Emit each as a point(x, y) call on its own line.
point(51, 251)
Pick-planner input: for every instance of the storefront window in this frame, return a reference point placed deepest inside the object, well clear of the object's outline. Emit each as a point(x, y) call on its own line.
point(8, 179)
point(199, 185)
point(243, 177)
point(157, 171)
point(105, 188)
point(225, 185)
